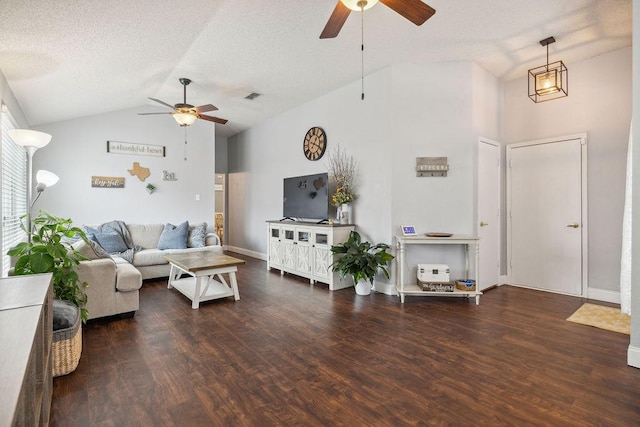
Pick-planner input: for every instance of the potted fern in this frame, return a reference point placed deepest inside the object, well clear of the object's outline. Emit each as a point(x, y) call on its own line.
point(361, 260)
point(47, 252)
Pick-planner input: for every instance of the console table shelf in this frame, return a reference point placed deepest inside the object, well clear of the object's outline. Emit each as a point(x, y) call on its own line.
point(404, 288)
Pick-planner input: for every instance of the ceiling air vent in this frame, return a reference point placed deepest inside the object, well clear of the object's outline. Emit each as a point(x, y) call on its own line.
point(252, 96)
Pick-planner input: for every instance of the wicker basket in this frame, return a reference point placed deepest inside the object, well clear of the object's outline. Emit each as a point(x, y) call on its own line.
point(466, 285)
point(66, 348)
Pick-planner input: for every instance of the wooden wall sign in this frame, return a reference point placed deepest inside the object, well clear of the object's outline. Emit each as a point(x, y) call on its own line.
point(107, 182)
point(118, 147)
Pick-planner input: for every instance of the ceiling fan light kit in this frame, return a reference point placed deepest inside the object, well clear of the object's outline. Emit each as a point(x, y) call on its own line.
point(549, 81)
point(185, 114)
point(184, 119)
point(359, 5)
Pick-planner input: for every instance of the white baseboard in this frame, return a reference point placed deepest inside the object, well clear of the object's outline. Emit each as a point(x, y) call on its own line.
point(633, 356)
point(503, 280)
point(242, 251)
point(386, 288)
point(604, 295)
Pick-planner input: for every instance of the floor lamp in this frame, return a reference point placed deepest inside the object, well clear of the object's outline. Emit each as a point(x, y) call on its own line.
point(31, 140)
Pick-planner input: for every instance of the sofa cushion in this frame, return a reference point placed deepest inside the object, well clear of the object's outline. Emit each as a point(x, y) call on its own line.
point(111, 242)
point(149, 257)
point(214, 250)
point(145, 235)
point(174, 236)
point(156, 256)
point(197, 235)
point(90, 250)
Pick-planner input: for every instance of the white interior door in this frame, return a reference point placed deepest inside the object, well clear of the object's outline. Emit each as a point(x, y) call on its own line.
point(546, 194)
point(488, 227)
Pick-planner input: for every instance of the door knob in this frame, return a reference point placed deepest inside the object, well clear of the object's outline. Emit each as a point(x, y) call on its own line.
point(483, 224)
point(573, 225)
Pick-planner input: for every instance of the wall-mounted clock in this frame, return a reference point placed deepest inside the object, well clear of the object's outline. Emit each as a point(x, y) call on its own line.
point(315, 143)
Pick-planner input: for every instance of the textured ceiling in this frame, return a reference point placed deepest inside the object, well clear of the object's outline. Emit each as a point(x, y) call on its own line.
point(71, 58)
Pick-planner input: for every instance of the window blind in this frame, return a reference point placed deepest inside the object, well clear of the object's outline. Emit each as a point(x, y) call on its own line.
point(14, 190)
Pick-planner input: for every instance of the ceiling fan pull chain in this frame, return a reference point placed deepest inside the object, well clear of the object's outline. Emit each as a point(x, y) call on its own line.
point(185, 144)
point(362, 49)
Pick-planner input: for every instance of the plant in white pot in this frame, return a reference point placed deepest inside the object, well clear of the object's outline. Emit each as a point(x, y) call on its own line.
point(361, 260)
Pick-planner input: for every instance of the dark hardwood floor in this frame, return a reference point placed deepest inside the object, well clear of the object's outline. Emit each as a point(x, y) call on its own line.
point(289, 353)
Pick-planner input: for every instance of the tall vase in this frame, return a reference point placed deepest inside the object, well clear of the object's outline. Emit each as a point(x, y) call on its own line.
point(345, 214)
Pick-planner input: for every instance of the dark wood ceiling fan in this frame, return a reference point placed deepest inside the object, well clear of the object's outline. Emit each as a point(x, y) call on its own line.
point(185, 114)
point(414, 10)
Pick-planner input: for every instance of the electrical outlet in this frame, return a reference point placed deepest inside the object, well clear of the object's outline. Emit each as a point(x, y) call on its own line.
point(197, 197)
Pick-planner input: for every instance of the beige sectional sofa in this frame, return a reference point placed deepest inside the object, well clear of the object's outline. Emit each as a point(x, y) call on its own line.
point(114, 282)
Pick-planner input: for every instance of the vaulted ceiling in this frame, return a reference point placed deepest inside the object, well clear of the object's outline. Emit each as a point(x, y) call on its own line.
point(71, 58)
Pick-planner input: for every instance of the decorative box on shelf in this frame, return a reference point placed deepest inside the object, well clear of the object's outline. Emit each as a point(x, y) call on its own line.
point(435, 286)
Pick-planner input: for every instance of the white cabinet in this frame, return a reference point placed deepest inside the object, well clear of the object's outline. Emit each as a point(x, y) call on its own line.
point(304, 249)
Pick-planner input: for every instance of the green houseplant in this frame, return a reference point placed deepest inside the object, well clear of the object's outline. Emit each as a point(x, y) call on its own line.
point(360, 260)
point(47, 252)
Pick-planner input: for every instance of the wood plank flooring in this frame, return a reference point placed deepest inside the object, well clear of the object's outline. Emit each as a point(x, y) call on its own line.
point(290, 353)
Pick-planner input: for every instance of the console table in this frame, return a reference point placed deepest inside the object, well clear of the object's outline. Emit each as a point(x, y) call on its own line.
point(26, 383)
point(402, 242)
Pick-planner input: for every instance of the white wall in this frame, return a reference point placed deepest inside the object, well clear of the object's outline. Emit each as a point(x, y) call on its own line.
point(410, 111)
point(78, 151)
point(261, 157)
point(599, 103)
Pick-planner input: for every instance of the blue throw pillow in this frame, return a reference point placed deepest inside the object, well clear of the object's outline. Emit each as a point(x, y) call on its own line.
point(111, 242)
point(90, 232)
point(174, 236)
point(197, 235)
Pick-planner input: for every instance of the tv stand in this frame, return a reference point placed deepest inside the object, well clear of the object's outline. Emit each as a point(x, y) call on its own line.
point(304, 249)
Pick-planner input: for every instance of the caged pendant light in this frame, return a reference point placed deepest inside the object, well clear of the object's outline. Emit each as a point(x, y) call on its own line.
point(549, 81)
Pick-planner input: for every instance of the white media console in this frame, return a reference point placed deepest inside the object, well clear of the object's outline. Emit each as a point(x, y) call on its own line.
point(304, 249)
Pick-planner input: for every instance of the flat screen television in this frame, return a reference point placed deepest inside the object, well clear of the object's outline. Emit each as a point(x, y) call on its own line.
point(306, 197)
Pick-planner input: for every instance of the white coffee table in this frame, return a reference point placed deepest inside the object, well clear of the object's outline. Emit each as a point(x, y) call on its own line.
point(207, 281)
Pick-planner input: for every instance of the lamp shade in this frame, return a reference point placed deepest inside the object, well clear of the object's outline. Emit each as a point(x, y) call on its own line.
point(47, 178)
point(359, 5)
point(184, 119)
point(29, 138)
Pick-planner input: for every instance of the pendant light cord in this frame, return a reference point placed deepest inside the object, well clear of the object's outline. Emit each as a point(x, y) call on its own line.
point(185, 143)
point(362, 49)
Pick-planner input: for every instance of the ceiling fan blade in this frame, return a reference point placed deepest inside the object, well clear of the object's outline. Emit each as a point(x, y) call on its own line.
point(414, 10)
point(163, 103)
point(148, 114)
point(205, 108)
point(212, 119)
point(336, 21)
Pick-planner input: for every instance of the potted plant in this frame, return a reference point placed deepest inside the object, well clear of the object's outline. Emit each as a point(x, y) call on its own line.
point(361, 260)
point(47, 252)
